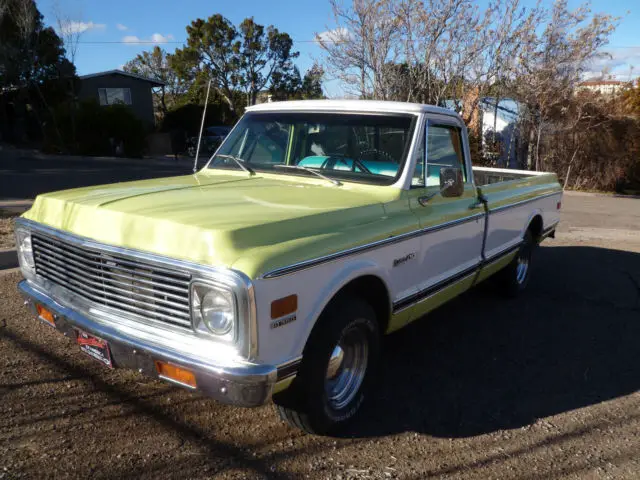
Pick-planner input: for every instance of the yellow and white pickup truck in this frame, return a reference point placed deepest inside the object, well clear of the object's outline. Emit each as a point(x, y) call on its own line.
point(316, 228)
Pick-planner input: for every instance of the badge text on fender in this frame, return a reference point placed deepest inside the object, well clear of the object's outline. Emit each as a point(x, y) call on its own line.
point(283, 321)
point(401, 260)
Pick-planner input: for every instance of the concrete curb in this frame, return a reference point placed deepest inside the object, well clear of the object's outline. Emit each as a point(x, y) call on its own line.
point(15, 206)
point(27, 154)
point(8, 258)
point(578, 193)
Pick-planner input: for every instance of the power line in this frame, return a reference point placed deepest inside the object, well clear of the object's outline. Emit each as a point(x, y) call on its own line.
point(176, 42)
point(151, 42)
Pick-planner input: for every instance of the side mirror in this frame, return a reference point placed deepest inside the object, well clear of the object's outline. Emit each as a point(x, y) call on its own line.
point(451, 182)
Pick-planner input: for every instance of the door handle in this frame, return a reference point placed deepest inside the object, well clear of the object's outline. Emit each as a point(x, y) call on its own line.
point(425, 199)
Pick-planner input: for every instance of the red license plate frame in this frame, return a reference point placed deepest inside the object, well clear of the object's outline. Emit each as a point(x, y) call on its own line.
point(94, 347)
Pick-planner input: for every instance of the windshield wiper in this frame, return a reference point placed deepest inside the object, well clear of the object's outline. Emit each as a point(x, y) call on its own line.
point(241, 163)
point(310, 170)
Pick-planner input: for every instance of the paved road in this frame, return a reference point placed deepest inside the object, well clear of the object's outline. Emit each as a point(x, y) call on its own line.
point(545, 386)
point(27, 177)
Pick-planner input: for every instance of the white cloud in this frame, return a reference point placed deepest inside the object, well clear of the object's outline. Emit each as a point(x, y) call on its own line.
point(121, 27)
point(619, 62)
point(73, 26)
point(156, 38)
point(335, 35)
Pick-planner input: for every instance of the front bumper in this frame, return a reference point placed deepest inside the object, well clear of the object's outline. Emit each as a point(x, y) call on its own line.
point(242, 384)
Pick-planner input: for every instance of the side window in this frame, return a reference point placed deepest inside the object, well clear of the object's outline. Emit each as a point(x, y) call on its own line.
point(444, 149)
point(418, 173)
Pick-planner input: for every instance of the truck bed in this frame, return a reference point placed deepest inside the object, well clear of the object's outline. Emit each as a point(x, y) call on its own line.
point(487, 176)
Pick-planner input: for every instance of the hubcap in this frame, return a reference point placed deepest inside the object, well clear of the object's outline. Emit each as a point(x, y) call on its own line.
point(347, 368)
point(522, 267)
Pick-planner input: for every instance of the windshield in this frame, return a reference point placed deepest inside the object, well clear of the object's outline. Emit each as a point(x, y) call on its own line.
point(365, 148)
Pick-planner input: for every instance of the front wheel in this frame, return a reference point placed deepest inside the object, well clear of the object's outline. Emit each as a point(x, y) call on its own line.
point(337, 370)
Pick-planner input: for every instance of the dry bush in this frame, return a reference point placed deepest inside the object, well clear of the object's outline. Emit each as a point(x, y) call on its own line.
point(599, 150)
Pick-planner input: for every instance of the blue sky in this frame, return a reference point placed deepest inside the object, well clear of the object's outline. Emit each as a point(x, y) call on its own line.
point(164, 22)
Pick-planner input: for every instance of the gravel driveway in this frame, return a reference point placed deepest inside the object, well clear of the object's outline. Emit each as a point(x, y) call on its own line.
point(545, 386)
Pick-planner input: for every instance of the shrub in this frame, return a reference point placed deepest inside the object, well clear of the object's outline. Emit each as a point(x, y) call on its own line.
point(99, 130)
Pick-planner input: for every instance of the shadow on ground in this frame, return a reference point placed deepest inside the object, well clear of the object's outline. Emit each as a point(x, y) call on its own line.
point(482, 363)
point(475, 366)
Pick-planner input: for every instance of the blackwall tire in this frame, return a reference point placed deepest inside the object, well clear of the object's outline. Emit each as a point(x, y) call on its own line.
point(338, 368)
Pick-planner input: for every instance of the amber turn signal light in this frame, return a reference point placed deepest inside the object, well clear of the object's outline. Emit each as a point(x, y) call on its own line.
point(284, 306)
point(45, 315)
point(177, 374)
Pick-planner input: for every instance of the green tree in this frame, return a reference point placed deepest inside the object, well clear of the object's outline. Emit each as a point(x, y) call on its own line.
point(245, 58)
point(290, 86)
point(312, 83)
point(32, 60)
point(154, 64)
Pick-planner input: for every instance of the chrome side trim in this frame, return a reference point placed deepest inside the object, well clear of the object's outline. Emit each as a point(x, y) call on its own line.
point(549, 231)
point(363, 248)
point(289, 369)
point(240, 283)
point(432, 290)
point(497, 256)
point(522, 202)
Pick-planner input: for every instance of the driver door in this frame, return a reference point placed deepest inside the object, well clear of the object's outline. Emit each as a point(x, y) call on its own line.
point(452, 227)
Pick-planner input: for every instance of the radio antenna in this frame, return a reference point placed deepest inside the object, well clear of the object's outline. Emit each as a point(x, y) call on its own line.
point(204, 113)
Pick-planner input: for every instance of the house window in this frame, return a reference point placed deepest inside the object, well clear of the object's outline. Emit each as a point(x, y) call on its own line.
point(112, 96)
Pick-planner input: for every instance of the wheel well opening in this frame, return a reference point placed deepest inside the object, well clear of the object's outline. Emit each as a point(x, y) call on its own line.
point(536, 227)
point(372, 290)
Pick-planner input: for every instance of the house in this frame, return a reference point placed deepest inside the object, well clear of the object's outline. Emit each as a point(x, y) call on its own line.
point(115, 86)
point(605, 87)
point(495, 122)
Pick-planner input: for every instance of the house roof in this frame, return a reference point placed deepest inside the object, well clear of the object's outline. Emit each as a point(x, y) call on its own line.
point(601, 82)
point(125, 74)
point(351, 105)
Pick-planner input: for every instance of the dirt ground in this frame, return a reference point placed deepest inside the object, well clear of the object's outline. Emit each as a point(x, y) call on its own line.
point(545, 386)
point(6, 229)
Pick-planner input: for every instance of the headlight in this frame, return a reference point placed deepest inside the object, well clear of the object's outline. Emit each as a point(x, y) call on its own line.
point(213, 311)
point(25, 252)
point(217, 311)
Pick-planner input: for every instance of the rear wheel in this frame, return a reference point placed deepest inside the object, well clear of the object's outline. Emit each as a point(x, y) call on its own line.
point(337, 370)
point(514, 278)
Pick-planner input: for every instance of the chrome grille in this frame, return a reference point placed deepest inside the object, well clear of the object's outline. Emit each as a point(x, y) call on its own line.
point(130, 286)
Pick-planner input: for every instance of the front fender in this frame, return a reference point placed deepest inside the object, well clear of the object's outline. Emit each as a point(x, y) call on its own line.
point(315, 288)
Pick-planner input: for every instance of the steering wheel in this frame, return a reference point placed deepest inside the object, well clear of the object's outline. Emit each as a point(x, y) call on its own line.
point(355, 162)
point(381, 153)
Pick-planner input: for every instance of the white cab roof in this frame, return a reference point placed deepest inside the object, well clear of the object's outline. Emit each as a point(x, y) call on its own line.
point(350, 105)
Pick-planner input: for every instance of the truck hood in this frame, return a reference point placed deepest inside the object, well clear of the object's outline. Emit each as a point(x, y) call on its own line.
point(215, 218)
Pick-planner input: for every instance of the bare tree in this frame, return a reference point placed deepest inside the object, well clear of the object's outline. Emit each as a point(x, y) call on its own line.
point(550, 67)
point(69, 29)
point(362, 46)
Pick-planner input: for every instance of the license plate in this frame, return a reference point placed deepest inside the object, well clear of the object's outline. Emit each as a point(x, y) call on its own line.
point(95, 347)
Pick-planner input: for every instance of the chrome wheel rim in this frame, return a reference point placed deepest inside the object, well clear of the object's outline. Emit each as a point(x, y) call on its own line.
point(347, 368)
point(522, 267)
